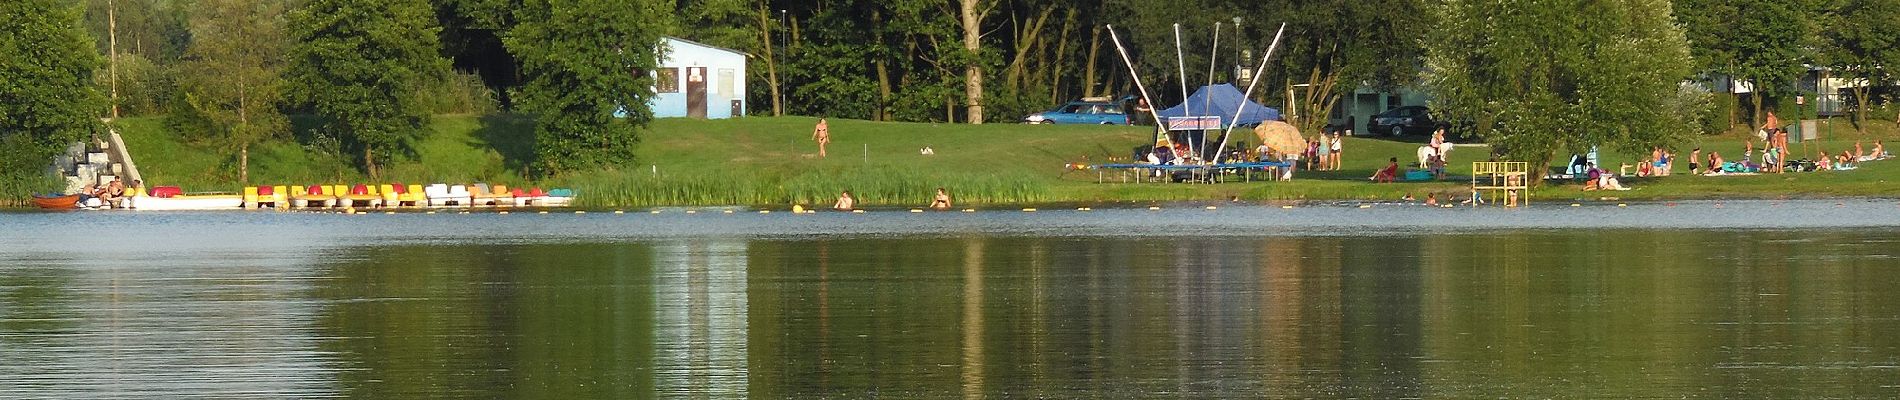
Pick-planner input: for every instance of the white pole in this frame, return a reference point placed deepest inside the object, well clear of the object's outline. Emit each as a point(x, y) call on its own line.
point(1152, 110)
point(1207, 103)
point(1252, 82)
point(1212, 54)
point(1181, 63)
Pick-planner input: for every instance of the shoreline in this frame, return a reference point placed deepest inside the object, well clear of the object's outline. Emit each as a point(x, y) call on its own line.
point(1203, 204)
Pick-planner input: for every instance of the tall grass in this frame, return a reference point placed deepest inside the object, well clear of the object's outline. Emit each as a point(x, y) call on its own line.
point(18, 190)
point(870, 185)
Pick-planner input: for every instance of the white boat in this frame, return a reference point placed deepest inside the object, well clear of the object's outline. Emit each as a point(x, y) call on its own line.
point(187, 202)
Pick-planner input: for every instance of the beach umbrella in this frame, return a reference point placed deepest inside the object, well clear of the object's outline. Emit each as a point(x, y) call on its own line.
point(1281, 137)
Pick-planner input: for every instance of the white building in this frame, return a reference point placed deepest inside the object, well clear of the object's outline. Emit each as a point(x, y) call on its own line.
point(699, 81)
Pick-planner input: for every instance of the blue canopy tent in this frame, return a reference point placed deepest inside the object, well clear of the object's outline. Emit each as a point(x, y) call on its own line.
point(1222, 100)
point(1214, 100)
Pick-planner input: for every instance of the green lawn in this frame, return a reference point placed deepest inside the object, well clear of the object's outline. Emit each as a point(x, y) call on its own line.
point(772, 161)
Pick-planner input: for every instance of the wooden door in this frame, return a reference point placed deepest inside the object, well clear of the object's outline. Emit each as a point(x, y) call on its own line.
point(696, 92)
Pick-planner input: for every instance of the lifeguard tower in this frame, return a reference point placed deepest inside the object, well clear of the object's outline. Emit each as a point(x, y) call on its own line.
point(1505, 181)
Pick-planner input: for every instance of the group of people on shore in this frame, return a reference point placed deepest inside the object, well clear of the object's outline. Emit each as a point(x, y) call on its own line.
point(848, 203)
point(1325, 153)
point(112, 194)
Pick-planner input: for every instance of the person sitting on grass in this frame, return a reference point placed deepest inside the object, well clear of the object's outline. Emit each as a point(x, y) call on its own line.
point(1387, 174)
point(1608, 181)
point(1880, 152)
point(845, 202)
point(942, 202)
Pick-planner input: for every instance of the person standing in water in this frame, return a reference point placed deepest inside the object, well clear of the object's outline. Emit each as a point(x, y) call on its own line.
point(942, 202)
point(845, 202)
point(821, 134)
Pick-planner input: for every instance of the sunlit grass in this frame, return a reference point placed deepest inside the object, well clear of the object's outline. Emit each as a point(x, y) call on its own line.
point(772, 161)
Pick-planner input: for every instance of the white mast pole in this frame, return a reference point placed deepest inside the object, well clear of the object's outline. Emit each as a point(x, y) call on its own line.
point(1181, 63)
point(1207, 103)
point(1249, 95)
point(1152, 110)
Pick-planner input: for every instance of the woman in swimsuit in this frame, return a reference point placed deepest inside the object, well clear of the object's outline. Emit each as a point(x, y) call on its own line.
point(942, 202)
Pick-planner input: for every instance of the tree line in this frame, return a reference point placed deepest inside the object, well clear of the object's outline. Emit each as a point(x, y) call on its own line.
point(1543, 75)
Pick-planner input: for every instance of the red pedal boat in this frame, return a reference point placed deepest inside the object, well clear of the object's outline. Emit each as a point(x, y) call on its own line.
point(66, 202)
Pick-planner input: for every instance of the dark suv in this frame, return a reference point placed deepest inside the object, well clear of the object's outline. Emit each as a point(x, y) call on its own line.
point(1408, 120)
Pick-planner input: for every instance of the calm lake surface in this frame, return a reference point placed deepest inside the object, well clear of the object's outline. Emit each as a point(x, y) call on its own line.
point(1698, 299)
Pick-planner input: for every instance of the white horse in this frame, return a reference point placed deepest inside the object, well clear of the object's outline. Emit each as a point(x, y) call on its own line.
point(1425, 153)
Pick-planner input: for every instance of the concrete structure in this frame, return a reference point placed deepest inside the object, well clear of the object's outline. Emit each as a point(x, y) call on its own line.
point(697, 80)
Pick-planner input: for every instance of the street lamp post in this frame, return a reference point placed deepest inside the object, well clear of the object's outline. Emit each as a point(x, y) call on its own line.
point(784, 54)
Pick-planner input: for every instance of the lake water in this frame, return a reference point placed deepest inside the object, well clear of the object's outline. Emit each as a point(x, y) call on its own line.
point(1696, 299)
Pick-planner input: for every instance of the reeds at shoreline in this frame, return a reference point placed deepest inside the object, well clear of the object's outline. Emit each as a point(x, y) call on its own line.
point(871, 186)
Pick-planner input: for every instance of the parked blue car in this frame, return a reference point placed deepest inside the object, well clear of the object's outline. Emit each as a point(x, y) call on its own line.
point(1088, 110)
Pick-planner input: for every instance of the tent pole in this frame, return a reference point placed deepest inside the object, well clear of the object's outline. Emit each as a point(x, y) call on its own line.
point(1181, 63)
point(1207, 103)
point(1152, 110)
point(1238, 110)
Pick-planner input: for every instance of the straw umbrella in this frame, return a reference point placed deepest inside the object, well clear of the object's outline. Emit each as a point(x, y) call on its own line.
point(1281, 137)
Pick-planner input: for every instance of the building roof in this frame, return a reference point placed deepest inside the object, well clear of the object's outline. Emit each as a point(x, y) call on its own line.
point(741, 53)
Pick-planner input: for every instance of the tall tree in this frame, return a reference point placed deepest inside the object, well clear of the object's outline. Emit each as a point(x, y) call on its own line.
point(1548, 81)
point(359, 65)
point(47, 100)
point(585, 60)
point(971, 13)
point(1863, 44)
point(1761, 44)
point(236, 58)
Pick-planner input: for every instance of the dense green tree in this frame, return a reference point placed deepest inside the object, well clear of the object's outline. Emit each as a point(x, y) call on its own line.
point(584, 60)
point(236, 58)
point(1547, 81)
point(47, 100)
point(1863, 43)
point(1763, 44)
point(359, 65)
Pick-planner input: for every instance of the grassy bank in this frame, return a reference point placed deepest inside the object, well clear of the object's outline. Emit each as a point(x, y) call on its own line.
point(773, 162)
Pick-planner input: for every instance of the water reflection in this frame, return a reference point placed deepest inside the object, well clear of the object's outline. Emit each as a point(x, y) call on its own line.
point(700, 324)
point(1613, 313)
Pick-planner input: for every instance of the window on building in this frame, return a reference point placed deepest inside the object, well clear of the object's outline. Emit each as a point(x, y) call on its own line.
point(726, 78)
point(667, 81)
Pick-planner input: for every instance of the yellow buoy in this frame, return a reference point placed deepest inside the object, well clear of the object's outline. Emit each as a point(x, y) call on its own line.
point(654, 212)
point(1365, 206)
point(1154, 208)
point(1082, 209)
point(1622, 204)
point(916, 210)
point(1029, 210)
point(502, 212)
point(728, 211)
point(620, 211)
point(1211, 207)
point(796, 209)
point(542, 213)
point(431, 212)
point(857, 211)
point(692, 211)
point(765, 211)
point(389, 213)
point(1286, 207)
point(1576, 205)
point(580, 211)
point(969, 210)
